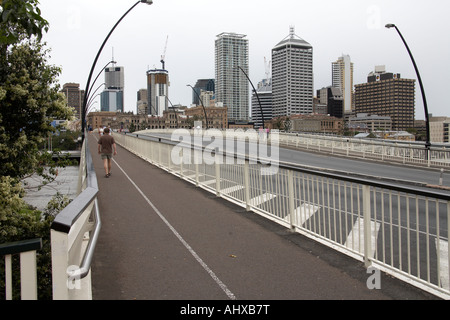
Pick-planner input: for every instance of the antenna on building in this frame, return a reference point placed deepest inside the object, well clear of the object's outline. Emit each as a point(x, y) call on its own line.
point(292, 31)
point(112, 59)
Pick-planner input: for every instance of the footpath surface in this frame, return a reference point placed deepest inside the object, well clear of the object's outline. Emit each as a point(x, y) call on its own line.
point(162, 238)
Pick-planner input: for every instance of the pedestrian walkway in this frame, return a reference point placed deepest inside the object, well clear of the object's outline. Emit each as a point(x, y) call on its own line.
point(165, 239)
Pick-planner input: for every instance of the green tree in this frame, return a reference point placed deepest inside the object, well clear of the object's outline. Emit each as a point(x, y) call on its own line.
point(29, 101)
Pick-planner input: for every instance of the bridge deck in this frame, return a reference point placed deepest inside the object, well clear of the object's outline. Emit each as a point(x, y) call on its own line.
point(164, 239)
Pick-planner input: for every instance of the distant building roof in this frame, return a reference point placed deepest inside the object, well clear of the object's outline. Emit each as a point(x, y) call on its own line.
point(293, 39)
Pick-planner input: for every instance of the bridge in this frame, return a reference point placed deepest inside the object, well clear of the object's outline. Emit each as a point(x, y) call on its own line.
point(195, 231)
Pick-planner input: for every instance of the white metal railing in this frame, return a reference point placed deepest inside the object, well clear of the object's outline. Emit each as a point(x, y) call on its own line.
point(400, 230)
point(28, 272)
point(74, 234)
point(412, 153)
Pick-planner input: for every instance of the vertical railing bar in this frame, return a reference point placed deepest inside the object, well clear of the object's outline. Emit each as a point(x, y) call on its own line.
point(322, 208)
point(359, 217)
point(417, 237)
point(367, 222)
point(8, 276)
point(391, 226)
point(340, 213)
point(383, 235)
point(375, 250)
point(399, 231)
point(438, 251)
point(427, 239)
point(346, 208)
point(329, 209)
point(408, 240)
point(291, 207)
point(334, 212)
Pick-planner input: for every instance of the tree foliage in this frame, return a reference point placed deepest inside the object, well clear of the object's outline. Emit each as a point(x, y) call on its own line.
point(29, 101)
point(18, 18)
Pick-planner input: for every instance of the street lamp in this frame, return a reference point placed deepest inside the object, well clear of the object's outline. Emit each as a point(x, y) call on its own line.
point(257, 96)
point(204, 110)
point(427, 122)
point(83, 110)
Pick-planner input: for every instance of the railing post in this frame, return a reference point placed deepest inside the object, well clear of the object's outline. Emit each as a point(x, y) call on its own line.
point(367, 226)
point(217, 166)
point(28, 275)
point(8, 276)
point(292, 218)
point(247, 184)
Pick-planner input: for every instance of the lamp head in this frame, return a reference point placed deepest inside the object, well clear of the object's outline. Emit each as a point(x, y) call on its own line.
point(149, 2)
point(390, 25)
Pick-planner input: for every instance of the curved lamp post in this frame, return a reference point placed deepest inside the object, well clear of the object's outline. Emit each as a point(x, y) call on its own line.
point(174, 111)
point(98, 75)
point(257, 96)
point(204, 110)
point(83, 110)
point(427, 122)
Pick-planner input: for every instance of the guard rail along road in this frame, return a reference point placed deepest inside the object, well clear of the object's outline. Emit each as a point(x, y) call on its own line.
point(398, 229)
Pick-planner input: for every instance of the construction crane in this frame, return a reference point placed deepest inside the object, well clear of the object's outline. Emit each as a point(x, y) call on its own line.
point(267, 66)
point(163, 57)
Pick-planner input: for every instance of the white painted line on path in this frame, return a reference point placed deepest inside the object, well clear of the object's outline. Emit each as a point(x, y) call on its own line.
point(186, 245)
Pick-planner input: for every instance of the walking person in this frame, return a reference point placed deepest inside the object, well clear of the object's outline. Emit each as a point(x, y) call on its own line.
point(107, 148)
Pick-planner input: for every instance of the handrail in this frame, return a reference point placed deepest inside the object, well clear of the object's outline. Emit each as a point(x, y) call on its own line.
point(68, 216)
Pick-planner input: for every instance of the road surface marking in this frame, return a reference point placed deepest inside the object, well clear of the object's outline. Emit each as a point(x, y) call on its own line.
point(355, 239)
point(303, 213)
point(186, 245)
point(256, 201)
point(442, 248)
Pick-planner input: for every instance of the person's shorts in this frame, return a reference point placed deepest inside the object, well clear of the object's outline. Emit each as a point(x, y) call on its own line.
point(107, 156)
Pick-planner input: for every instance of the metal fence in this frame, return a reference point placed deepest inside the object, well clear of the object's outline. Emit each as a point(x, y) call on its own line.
point(397, 229)
point(412, 153)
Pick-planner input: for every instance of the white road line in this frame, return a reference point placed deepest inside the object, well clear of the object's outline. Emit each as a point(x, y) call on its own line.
point(186, 245)
point(303, 213)
point(355, 239)
point(209, 182)
point(442, 249)
point(256, 201)
point(232, 189)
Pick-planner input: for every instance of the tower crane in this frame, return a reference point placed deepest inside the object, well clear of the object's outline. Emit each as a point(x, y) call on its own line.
point(267, 66)
point(163, 57)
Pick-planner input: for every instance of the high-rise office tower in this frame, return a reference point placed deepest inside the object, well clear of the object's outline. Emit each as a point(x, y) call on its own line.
point(265, 99)
point(231, 52)
point(387, 94)
point(202, 85)
point(74, 96)
point(112, 98)
point(292, 76)
point(342, 78)
point(157, 91)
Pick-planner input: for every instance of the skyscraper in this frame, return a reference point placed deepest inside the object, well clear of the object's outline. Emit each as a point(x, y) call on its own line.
point(265, 98)
point(157, 91)
point(342, 78)
point(292, 76)
point(112, 98)
point(387, 94)
point(74, 96)
point(231, 52)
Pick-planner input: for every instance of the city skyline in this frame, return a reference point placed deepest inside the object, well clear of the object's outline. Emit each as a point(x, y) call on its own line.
point(333, 28)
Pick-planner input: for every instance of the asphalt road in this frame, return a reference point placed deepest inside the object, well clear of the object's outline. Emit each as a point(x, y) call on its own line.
point(164, 239)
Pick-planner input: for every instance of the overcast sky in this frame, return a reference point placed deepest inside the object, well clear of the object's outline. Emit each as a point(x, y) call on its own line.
point(332, 27)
